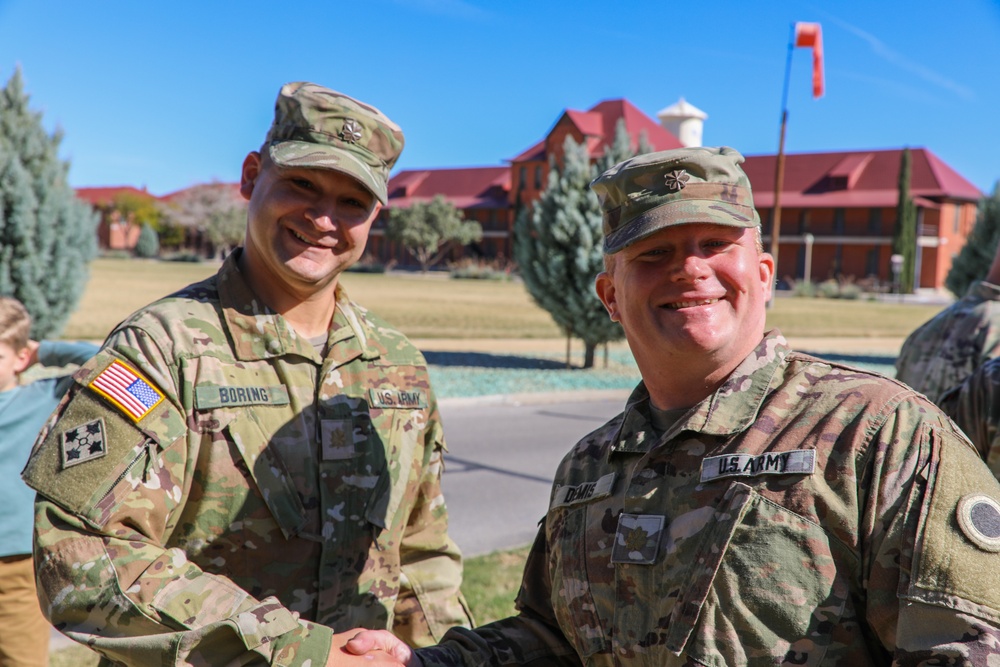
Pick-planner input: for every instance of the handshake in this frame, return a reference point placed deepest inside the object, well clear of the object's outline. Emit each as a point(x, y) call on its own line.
point(378, 646)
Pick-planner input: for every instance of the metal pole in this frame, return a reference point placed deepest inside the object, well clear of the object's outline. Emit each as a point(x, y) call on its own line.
point(779, 171)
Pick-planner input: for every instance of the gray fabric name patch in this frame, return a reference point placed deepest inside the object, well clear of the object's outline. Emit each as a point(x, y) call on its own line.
point(392, 397)
point(218, 397)
point(581, 493)
point(794, 462)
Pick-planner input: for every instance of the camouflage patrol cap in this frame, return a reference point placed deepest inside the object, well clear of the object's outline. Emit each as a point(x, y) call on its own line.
point(319, 128)
point(687, 185)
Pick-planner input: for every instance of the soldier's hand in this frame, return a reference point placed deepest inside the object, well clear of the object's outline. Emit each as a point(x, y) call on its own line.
point(383, 640)
point(341, 657)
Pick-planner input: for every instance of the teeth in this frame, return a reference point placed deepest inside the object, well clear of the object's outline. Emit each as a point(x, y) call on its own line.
point(691, 304)
point(302, 238)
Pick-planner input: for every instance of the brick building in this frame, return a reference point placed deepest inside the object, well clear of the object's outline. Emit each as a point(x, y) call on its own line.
point(844, 203)
point(838, 208)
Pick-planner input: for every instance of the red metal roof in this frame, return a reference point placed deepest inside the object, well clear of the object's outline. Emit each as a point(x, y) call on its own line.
point(233, 188)
point(105, 196)
point(471, 187)
point(854, 178)
point(597, 125)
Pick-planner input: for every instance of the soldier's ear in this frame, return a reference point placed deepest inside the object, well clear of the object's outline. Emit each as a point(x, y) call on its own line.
point(248, 176)
point(605, 287)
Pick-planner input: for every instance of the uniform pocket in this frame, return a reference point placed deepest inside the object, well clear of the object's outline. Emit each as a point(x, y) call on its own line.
point(573, 599)
point(765, 588)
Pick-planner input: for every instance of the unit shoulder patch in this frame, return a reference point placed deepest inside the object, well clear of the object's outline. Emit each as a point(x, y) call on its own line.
point(979, 518)
point(83, 443)
point(127, 389)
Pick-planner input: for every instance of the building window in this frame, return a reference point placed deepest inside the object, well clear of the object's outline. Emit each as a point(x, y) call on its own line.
point(804, 221)
point(538, 177)
point(874, 220)
point(524, 176)
point(871, 264)
point(958, 216)
point(838, 222)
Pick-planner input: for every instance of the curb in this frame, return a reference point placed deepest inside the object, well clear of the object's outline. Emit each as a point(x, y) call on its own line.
point(537, 398)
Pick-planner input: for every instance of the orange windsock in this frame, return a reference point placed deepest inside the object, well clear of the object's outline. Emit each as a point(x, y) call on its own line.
point(811, 35)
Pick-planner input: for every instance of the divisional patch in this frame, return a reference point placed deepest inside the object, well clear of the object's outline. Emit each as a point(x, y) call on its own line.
point(794, 462)
point(393, 397)
point(637, 539)
point(581, 493)
point(127, 389)
point(979, 518)
point(83, 443)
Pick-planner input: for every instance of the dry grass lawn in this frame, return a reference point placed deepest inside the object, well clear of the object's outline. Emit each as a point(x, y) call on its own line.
point(436, 307)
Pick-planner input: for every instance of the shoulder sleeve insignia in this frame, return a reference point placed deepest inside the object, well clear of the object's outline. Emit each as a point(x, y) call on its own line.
point(83, 443)
point(127, 389)
point(979, 519)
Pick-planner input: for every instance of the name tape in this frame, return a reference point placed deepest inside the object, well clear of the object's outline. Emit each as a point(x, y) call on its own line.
point(219, 397)
point(581, 493)
point(794, 462)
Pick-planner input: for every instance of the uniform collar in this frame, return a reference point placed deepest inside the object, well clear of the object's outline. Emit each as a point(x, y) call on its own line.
point(985, 291)
point(732, 408)
point(259, 333)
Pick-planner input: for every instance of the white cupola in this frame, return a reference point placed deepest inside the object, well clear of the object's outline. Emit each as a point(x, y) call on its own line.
point(684, 121)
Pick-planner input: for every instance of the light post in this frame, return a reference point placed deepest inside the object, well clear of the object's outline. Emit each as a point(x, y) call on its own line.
point(808, 238)
point(896, 263)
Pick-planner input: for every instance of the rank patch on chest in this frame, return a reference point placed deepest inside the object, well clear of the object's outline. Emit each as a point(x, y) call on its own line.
point(83, 443)
point(794, 462)
point(581, 493)
point(395, 398)
point(637, 539)
point(127, 389)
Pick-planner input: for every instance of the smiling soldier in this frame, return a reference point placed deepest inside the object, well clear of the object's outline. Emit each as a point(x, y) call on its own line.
point(254, 492)
point(752, 505)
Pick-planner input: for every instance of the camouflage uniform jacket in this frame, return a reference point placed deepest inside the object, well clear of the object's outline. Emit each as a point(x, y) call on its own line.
point(975, 407)
point(270, 495)
point(945, 350)
point(805, 513)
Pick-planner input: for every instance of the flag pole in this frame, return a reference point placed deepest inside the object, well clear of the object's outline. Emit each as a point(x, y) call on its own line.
point(779, 171)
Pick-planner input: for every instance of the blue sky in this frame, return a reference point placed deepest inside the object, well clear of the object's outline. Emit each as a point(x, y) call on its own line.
point(166, 95)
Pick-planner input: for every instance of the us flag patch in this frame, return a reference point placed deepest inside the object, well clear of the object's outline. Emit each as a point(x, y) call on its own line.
point(128, 389)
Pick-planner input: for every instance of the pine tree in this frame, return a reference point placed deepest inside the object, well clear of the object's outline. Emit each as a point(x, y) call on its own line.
point(559, 244)
point(147, 245)
point(904, 240)
point(974, 260)
point(47, 235)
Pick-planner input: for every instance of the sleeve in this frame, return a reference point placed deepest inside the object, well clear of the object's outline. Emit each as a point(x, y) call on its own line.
point(113, 471)
point(975, 407)
point(58, 353)
point(531, 638)
point(930, 543)
point(430, 601)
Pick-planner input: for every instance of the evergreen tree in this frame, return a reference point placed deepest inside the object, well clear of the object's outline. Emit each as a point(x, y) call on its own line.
point(429, 229)
point(904, 241)
point(47, 235)
point(973, 262)
point(558, 244)
point(147, 245)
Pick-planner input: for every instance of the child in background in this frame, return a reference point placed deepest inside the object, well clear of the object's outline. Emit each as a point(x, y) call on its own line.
point(24, 632)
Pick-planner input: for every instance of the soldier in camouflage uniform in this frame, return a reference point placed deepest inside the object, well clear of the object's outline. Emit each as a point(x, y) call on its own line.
point(752, 505)
point(253, 464)
point(943, 351)
point(975, 407)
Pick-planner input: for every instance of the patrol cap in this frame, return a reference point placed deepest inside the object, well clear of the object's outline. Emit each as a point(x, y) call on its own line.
point(646, 193)
point(319, 128)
